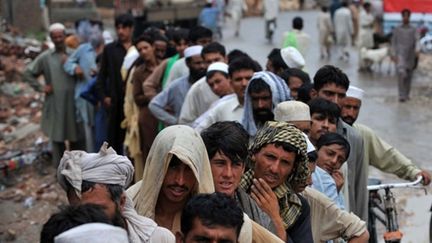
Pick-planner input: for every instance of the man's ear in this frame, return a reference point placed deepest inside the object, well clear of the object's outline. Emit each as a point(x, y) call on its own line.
point(313, 93)
point(279, 71)
point(252, 160)
point(188, 61)
point(123, 201)
point(179, 237)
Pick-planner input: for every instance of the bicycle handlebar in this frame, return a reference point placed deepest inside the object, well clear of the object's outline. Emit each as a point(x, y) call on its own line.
point(395, 185)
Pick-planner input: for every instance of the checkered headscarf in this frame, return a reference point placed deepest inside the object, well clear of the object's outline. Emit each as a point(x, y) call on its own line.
point(273, 132)
point(284, 132)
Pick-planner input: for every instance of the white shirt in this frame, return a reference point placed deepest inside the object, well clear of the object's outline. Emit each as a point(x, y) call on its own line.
point(204, 116)
point(271, 9)
point(228, 110)
point(178, 70)
point(198, 100)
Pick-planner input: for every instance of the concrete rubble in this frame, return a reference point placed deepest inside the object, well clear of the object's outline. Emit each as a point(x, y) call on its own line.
point(20, 105)
point(27, 198)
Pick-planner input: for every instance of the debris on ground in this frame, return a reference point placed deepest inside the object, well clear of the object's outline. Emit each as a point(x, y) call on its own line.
point(29, 192)
point(27, 205)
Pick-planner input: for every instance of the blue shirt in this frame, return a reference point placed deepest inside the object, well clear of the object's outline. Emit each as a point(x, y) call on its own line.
point(171, 97)
point(85, 57)
point(209, 18)
point(324, 182)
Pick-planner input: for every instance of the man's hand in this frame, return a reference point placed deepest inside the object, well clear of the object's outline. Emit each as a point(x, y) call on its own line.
point(48, 89)
point(268, 202)
point(107, 102)
point(426, 177)
point(265, 197)
point(363, 238)
point(79, 72)
point(339, 179)
point(93, 72)
point(170, 110)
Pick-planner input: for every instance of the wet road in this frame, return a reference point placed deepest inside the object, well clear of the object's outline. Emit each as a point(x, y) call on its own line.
point(406, 126)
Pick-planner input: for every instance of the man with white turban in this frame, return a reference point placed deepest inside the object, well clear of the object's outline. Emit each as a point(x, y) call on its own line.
point(166, 106)
point(100, 178)
point(58, 114)
point(378, 152)
point(294, 112)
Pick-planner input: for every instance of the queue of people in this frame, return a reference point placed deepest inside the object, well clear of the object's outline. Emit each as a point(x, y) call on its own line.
point(203, 144)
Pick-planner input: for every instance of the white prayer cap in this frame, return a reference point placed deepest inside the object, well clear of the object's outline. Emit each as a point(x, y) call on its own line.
point(355, 92)
point(56, 26)
point(292, 111)
point(310, 146)
point(192, 51)
point(93, 232)
point(218, 66)
point(105, 167)
point(292, 57)
point(107, 37)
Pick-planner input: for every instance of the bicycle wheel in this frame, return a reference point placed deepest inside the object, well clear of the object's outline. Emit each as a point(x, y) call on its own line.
point(372, 223)
point(371, 228)
point(393, 234)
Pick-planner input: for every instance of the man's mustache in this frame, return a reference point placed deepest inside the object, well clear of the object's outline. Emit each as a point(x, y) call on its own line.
point(179, 186)
point(263, 111)
point(348, 119)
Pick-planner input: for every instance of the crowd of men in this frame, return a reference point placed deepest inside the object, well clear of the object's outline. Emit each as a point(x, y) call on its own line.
point(218, 149)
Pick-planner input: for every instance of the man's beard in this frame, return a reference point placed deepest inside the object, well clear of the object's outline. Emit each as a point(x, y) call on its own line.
point(117, 219)
point(349, 119)
point(196, 74)
point(263, 115)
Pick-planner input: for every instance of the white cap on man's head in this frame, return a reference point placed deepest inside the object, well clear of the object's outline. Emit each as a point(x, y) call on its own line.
point(218, 66)
point(292, 57)
point(107, 37)
point(310, 146)
point(56, 26)
point(193, 51)
point(355, 92)
point(93, 232)
point(292, 111)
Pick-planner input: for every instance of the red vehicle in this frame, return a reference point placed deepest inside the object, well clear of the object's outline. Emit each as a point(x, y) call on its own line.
point(421, 14)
